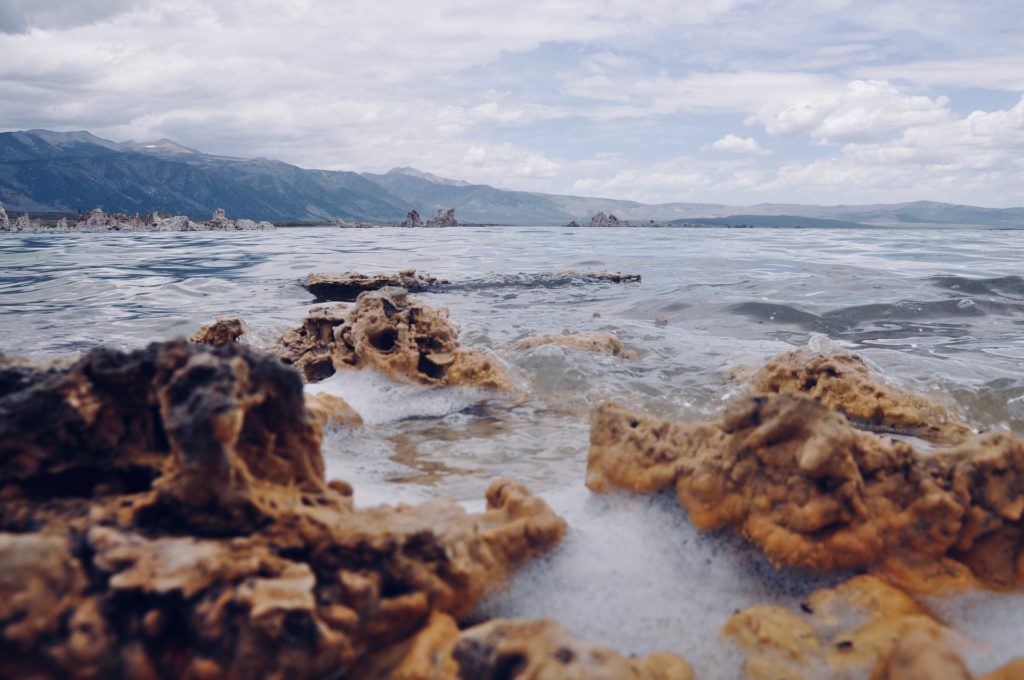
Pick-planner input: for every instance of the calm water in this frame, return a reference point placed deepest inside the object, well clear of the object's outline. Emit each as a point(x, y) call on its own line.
point(938, 312)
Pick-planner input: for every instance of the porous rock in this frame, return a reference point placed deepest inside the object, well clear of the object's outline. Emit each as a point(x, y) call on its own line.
point(598, 343)
point(810, 490)
point(844, 383)
point(346, 287)
point(164, 514)
point(393, 333)
point(223, 331)
point(862, 626)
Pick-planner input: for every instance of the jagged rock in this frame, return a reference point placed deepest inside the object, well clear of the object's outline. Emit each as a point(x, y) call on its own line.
point(388, 331)
point(5, 222)
point(346, 287)
point(329, 409)
point(164, 513)
point(412, 220)
point(443, 218)
point(844, 383)
point(219, 215)
point(98, 221)
point(223, 331)
point(602, 220)
point(510, 648)
point(862, 626)
point(810, 490)
point(598, 343)
point(62, 224)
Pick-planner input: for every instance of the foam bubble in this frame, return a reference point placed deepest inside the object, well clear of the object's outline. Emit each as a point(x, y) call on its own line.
point(378, 399)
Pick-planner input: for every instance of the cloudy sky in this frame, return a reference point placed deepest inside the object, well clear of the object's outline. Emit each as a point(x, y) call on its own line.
point(811, 101)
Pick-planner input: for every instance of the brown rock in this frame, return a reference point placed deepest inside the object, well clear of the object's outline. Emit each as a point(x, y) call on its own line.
point(843, 383)
point(177, 494)
point(327, 408)
point(812, 491)
point(598, 343)
point(388, 331)
point(223, 331)
point(347, 287)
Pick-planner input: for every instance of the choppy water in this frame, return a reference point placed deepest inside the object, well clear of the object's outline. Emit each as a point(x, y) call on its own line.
point(941, 313)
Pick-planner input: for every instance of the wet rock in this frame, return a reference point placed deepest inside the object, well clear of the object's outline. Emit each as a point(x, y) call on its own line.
point(604, 277)
point(346, 287)
point(443, 218)
point(844, 383)
point(598, 343)
point(511, 648)
point(164, 513)
point(412, 219)
point(330, 409)
point(389, 331)
point(862, 626)
point(810, 490)
point(223, 331)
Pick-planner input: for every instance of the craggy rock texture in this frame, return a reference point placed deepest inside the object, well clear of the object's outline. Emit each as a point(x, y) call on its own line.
point(812, 491)
point(443, 218)
point(98, 221)
point(223, 331)
point(388, 331)
point(5, 221)
point(862, 626)
point(329, 409)
point(164, 514)
point(412, 219)
point(603, 277)
point(506, 648)
point(843, 382)
point(598, 343)
point(347, 287)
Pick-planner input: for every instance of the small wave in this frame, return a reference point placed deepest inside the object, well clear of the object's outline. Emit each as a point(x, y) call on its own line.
point(527, 280)
point(999, 286)
point(378, 399)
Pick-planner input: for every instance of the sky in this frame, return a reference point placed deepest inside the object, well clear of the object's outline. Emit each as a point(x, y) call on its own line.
point(810, 101)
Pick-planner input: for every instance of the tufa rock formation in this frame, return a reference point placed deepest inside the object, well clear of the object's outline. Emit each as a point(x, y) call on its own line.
point(98, 221)
point(843, 383)
point(346, 287)
point(412, 219)
point(602, 220)
point(388, 331)
point(5, 222)
point(810, 490)
point(443, 218)
point(598, 343)
point(164, 514)
point(863, 626)
point(223, 331)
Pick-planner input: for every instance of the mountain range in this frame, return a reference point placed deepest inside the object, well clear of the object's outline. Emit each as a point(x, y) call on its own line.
point(49, 172)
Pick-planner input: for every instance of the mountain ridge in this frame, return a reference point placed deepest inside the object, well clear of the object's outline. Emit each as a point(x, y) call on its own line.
point(47, 171)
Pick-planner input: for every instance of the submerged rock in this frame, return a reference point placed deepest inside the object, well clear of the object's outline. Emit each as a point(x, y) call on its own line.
point(598, 343)
point(223, 331)
point(810, 490)
point(346, 287)
point(862, 626)
point(164, 513)
point(843, 383)
point(389, 331)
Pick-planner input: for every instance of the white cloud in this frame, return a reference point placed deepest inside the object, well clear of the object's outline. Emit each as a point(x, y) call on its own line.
point(506, 160)
point(735, 144)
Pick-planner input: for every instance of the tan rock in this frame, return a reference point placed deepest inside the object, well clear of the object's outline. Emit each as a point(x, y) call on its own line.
point(223, 331)
point(598, 343)
point(388, 331)
point(844, 383)
point(177, 494)
point(346, 287)
point(812, 491)
point(327, 408)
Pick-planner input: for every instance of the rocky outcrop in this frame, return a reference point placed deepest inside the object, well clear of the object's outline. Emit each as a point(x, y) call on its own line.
point(602, 220)
point(164, 513)
point(598, 343)
point(506, 648)
point(393, 333)
point(443, 218)
point(863, 626)
point(98, 221)
point(810, 490)
point(412, 219)
point(223, 331)
point(844, 383)
point(329, 409)
point(5, 222)
point(347, 286)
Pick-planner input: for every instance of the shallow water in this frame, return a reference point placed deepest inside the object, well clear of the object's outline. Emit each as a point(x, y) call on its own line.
point(940, 313)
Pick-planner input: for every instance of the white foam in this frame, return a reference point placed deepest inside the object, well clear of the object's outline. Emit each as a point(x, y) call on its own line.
point(378, 399)
point(633, 574)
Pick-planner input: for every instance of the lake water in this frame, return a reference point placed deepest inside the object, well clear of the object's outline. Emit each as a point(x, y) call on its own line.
point(938, 312)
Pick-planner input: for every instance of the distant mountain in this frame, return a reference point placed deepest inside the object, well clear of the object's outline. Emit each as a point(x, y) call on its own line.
point(44, 171)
